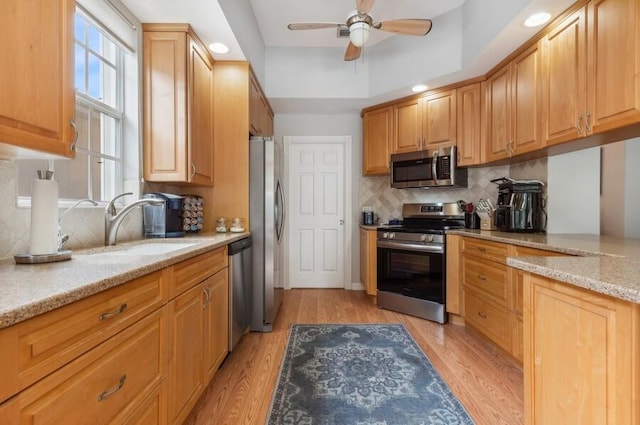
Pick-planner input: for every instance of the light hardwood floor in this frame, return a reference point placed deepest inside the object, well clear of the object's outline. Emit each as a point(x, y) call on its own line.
point(486, 382)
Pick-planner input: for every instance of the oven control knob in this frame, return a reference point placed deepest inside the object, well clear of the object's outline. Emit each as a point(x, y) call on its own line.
point(392, 235)
point(385, 235)
point(426, 238)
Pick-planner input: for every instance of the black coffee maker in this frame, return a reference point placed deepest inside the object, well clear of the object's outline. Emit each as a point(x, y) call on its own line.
point(520, 205)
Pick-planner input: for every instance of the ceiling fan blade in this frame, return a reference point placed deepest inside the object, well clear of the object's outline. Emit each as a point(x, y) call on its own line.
point(312, 25)
point(352, 53)
point(364, 6)
point(405, 26)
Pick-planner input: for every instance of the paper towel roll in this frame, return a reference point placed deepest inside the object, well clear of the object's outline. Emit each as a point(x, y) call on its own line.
point(44, 217)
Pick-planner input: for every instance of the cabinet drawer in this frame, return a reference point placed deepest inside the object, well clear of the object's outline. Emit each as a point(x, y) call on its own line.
point(490, 250)
point(488, 277)
point(194, 270)
point(488, 318)
point(104, 386)
point(38, 346)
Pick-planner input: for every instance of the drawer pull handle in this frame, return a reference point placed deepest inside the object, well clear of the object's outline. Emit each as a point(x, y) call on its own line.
point(113, 390)
point(482, 277)
point(483, 315)
point(482, 249)
point(110, 314)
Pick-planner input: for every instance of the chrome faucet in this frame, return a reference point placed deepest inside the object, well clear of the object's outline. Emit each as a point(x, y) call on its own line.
point(63, 238)
point(112, 219)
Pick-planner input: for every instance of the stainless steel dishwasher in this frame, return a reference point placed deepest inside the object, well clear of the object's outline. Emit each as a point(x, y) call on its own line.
point(241, 287)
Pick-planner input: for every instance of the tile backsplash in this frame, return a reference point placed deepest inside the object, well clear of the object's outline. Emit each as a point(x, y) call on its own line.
point(387, 202)
point(84, 225)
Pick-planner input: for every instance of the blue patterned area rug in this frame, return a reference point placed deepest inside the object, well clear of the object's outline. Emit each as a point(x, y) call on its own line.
point(360, 375)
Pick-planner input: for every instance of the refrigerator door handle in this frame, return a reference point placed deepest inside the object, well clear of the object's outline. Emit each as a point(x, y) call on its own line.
point(280, 210)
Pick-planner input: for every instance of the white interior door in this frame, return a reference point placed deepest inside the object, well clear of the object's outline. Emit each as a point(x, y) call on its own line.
point(316, 200)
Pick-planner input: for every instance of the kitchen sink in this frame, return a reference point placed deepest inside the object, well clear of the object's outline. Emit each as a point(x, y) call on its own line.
point(152, 248)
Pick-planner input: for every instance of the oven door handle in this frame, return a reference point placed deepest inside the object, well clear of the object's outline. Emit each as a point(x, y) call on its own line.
point(410, 247)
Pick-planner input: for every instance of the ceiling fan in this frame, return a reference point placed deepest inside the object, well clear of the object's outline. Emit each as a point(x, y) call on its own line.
point(359, 23)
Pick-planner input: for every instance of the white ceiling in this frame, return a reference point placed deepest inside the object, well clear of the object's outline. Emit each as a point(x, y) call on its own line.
point(274, 15)
point(497, 38)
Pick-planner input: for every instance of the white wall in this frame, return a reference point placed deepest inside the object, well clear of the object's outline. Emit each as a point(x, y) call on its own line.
point(573, 191)
point(333, 125)
point(612, 219)
point(632, 188)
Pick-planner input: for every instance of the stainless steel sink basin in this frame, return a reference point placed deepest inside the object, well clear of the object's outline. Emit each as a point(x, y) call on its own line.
point(151, 248)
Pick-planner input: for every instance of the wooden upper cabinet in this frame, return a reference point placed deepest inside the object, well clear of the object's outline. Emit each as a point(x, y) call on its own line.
point(513, 98)
point(526, 97)
point(613, 74)
point(469, 122)
point(439, 110)
point(425, 122)
point(260, 114)
point(37, 92)
point(564, 80)
point(407, 126)
point(498, 104)
point(178, 106)
point(377, 135)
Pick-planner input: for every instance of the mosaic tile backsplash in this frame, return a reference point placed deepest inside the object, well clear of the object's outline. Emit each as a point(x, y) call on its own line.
point(387, 202)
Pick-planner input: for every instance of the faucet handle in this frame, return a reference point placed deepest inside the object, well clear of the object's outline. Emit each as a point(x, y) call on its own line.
point(111, 208)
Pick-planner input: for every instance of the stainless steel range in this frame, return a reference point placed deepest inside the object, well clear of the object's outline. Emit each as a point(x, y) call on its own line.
point(412, 260)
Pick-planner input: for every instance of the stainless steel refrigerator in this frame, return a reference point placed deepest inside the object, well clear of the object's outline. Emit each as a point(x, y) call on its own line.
point(266, 222)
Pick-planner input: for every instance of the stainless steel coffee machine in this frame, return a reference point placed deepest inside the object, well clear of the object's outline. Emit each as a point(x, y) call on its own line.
point(520, 205)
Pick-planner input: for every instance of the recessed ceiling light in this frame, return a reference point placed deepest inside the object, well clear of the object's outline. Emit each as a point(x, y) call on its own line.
point(218, 48)
point(418, 88)
point(537, 19)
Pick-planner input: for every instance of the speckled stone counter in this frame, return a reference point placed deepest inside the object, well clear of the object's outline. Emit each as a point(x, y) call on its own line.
point(602, 264)
point(27, 290)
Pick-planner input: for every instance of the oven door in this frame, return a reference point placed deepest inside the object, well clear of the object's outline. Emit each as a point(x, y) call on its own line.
point(412, 270)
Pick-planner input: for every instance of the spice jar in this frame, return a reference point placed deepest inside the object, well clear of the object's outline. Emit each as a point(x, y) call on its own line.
point(221, 225)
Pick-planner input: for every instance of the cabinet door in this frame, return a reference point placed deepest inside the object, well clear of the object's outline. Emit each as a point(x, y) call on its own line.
point(377, 129)
point(614, 51)
point(407, 126)
point(216, 322)
point(469, 121)
point(165, 106)
point(564, 80)
point(106, 385)
point(37, 92)
point(498, 114)
point(580, 355)
point(368, 261)
point(440, 126)
point(186, 375)
point(201, 116)
point(526, 91)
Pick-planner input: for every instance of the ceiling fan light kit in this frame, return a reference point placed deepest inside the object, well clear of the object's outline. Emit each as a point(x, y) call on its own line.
point(360, 23)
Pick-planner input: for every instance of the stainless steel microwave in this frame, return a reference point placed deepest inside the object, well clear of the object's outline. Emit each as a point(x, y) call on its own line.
point(427, 168)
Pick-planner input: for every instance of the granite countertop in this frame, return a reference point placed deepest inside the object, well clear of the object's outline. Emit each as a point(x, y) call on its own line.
point(603, 264)
point(27, 290)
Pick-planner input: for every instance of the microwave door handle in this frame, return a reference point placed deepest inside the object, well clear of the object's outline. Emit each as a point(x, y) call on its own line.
point(434, 167)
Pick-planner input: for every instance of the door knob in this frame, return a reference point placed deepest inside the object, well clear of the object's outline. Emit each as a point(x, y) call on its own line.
point(341, 222)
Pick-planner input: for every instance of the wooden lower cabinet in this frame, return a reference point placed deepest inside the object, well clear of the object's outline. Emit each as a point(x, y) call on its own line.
point(216, 322)
point(139, 353)
point(104, 386)
point(369, 260)
point(490, 292)
point(581, 356)
point(186, 380)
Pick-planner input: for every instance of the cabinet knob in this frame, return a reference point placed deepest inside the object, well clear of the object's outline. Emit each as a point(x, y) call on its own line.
point(193, 170)
point(483, 315)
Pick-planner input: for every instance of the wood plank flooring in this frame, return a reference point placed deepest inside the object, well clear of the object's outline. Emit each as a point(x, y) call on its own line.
point(487, 383)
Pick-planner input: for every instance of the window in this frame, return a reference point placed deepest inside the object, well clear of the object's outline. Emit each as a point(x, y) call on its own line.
point(96, 171)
